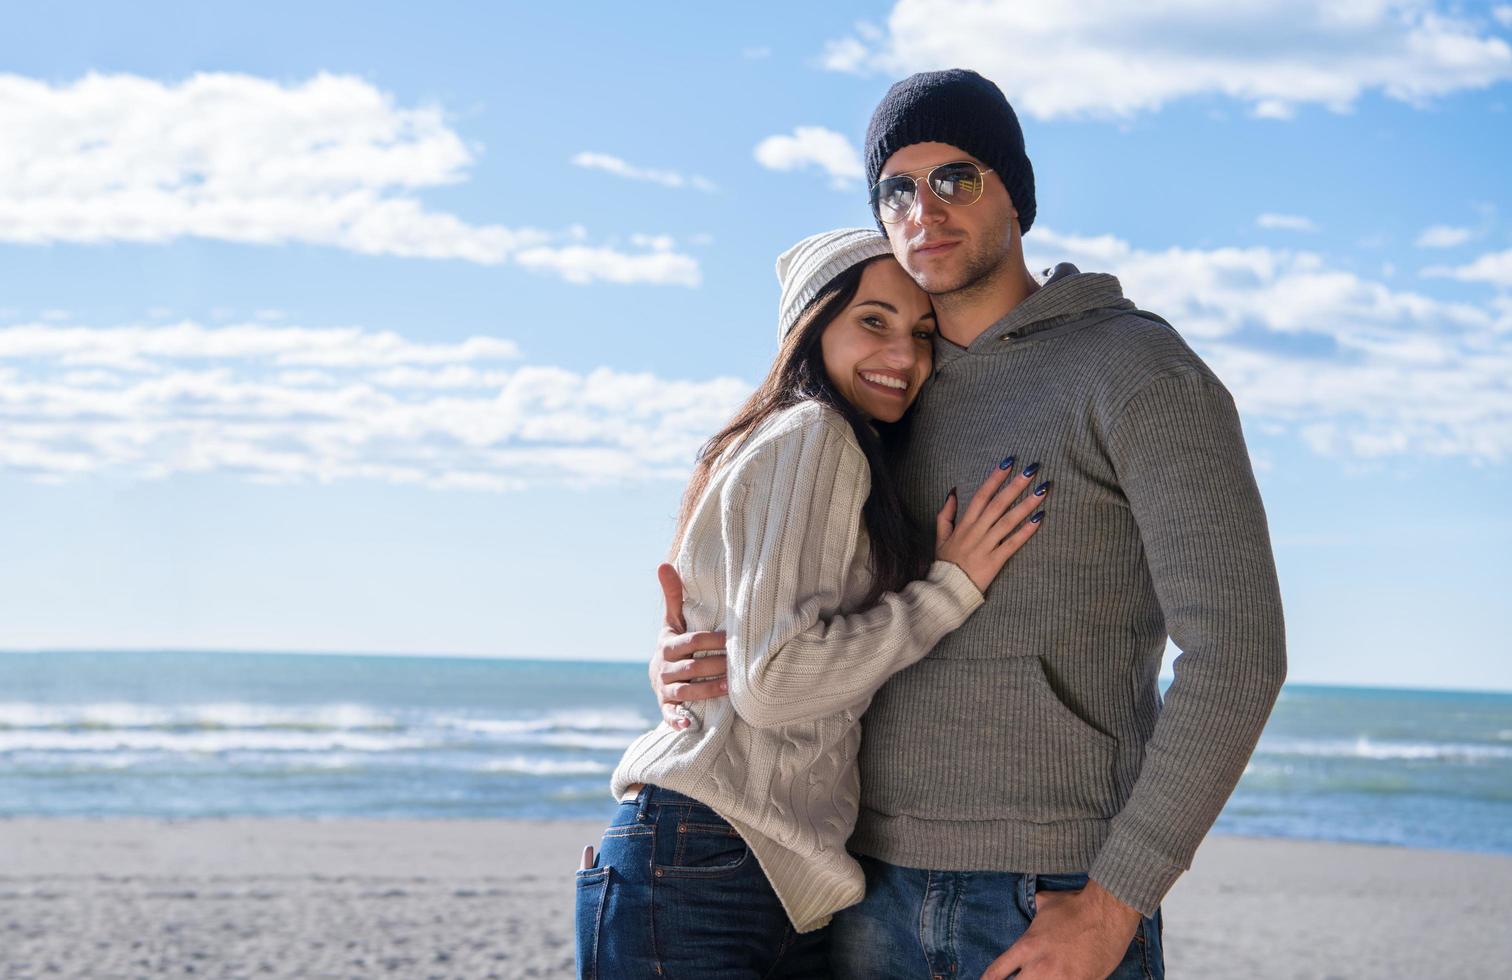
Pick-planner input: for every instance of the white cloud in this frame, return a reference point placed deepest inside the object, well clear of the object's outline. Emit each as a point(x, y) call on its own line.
point(1493, 267)
point(813, 146)
point(1273, 109)
point(582, 264)
point(1113, 58)
point(756, 53)
point(1443, 236)
point(125, 158)
point(1347, 365)
point(347, 347)
point(1503, 15)
point(657, 243)
point(844, 54)
point(1286, 222)
point(329, 161)
point(618, 167)
point(298, 405)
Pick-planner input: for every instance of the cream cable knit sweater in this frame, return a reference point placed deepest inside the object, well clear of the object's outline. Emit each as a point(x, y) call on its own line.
point(776, 556)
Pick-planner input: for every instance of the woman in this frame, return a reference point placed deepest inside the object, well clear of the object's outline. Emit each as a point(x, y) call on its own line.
point(726, 856)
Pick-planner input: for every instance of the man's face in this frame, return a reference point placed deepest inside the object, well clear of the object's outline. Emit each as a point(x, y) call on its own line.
point(949, 247)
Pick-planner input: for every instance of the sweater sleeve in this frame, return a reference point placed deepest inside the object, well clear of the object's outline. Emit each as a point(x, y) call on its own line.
point(1183, 465)
point(791, 522)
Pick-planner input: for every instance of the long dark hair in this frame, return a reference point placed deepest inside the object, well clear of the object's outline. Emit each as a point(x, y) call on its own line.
point(900, 552)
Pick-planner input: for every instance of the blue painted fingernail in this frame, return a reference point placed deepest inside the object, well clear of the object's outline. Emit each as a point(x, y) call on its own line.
point(1031, 469)
point(1037, 518)
point(1039, 491)
point(1006, 464)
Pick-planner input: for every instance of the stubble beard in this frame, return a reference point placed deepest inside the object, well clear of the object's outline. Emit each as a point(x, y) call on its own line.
point(980, 268)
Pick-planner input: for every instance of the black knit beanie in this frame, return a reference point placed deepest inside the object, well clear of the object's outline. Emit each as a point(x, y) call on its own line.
point(963, 109)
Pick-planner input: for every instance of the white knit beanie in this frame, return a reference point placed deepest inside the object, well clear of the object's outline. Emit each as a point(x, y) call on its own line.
point(808, 267)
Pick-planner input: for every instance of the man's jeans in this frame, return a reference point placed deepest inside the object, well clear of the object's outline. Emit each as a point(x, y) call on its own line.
point(950, 925)
point(676, 894)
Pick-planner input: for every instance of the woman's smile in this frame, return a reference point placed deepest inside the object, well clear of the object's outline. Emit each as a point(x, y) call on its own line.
point(890, 382)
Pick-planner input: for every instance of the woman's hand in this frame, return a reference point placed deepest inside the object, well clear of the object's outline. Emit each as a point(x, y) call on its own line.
point(994, 526)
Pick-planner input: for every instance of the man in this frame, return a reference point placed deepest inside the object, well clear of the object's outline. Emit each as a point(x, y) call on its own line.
point(1027, 801)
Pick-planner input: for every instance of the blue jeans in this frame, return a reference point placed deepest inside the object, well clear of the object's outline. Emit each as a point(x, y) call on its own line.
point(675, 894)
point(952, 924)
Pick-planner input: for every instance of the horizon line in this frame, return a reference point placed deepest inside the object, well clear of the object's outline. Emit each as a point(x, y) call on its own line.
point(1164, 678)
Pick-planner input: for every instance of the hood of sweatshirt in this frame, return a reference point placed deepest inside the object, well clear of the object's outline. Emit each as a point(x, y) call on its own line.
point(1067, 299)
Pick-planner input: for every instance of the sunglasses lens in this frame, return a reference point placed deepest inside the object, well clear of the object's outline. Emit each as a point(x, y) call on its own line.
point(957, 183)
point(892, 198)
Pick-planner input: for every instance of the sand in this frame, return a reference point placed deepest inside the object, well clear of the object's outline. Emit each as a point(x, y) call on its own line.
point(417, 899)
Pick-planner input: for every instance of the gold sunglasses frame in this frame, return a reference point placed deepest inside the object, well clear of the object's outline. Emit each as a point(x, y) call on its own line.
point(981, 171)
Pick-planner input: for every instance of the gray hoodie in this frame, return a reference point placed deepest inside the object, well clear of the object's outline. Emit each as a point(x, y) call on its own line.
point(1033, 738)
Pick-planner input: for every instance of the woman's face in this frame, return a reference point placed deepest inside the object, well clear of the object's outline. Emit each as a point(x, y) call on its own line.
point(877, 351)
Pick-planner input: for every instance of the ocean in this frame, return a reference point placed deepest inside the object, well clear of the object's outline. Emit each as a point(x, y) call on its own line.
point(180, 735)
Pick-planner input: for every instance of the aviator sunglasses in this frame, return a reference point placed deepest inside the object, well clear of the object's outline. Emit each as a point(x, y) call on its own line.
point(953, 183)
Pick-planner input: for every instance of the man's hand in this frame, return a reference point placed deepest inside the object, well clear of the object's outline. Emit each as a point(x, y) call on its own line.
point(1079, 935)
point(676, 676)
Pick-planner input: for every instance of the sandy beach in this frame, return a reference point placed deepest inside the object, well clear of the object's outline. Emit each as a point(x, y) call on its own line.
point(451, 899)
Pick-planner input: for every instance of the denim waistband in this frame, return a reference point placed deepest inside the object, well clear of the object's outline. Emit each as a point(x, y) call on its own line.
point(650, 794)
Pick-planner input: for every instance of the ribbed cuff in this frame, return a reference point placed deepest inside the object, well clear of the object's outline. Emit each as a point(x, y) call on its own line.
point(1133, 873)
point(952, 577)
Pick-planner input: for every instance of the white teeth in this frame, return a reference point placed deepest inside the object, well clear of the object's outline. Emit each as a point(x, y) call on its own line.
point(883, 379)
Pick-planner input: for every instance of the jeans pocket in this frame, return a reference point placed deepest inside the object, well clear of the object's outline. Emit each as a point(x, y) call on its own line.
point(1151, 947)
point(702, 850)
point(1037, 884)
point(625, 815)
point(592, 890)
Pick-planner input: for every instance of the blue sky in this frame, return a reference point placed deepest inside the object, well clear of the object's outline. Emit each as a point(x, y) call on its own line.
point(356, 328)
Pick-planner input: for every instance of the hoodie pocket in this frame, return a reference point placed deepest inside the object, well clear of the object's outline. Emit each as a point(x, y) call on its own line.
point(985, 740)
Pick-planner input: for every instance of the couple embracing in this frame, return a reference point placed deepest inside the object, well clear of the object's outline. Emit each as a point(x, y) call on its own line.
point(921, 584)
